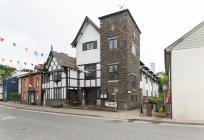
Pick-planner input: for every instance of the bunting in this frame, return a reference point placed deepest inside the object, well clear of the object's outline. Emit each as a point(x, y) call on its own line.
point(14, 44)
point(26, 49)
point(1, 39)
point(35, 52)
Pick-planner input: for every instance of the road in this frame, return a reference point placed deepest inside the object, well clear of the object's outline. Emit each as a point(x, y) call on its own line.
point(18, 124)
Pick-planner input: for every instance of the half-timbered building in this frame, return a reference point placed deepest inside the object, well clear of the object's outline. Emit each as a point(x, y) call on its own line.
point(59, 82)
point(87, 44)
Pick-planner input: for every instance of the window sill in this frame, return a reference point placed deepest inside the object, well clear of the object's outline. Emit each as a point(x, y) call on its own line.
point(113, 49)
point(112, 81)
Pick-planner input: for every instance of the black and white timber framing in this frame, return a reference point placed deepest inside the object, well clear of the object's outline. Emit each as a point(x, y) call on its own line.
point(59, 81)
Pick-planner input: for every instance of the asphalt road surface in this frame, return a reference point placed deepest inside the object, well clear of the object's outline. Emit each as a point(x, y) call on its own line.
point(18, 124)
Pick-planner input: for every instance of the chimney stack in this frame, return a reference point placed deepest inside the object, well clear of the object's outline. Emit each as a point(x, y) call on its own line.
point(152, 67)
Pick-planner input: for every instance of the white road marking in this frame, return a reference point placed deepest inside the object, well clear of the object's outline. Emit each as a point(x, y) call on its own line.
point(4, 118)
point(181, 125)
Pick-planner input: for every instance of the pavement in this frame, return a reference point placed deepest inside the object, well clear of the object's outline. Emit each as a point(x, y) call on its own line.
point(22, 124)
point(125, 115)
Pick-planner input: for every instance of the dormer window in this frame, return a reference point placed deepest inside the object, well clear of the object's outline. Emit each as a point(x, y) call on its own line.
point(89, 45)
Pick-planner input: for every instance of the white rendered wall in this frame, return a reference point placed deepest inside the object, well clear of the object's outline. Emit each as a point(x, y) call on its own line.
point(188, 84)
point(151, 86)
point(88, 56)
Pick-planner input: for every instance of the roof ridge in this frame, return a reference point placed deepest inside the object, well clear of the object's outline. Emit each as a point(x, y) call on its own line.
point(170, 47)
point(86, 20)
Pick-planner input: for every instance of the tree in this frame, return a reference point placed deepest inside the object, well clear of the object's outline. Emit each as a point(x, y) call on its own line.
point(163, 79)
point(6, 70)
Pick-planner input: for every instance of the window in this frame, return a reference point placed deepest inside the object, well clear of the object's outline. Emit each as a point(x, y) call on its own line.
point(47, 77)
point(37, 81)
point(113, 72)
point(24, 83)
point(113, 43)
point(133, 98)
point(90, 71)
point(135, 49)
point(89, 45)
point(146, 79)
point(57, 76)
point(134, 81)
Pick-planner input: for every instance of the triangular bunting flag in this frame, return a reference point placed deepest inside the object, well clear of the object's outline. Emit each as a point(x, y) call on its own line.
point(14, 44)
point(35, 52)
point(1, 39)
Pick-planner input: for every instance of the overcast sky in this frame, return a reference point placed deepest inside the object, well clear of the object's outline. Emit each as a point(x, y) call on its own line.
point(36, 24)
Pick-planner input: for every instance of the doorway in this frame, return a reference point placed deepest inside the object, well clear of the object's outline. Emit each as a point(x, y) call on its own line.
point(31, 97)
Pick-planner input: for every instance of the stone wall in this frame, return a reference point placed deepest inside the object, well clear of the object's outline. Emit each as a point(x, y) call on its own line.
point(119, 25)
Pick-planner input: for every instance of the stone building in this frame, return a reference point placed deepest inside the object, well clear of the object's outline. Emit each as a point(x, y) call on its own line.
point(113, 53)
point(120, 58)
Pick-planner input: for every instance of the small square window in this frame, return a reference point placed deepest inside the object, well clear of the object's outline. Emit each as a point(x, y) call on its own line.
point(113, 43)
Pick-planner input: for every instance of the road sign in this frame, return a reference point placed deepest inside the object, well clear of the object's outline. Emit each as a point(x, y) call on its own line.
point(111, 104)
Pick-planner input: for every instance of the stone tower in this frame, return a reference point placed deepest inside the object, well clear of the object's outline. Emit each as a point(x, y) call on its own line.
point(120, 59)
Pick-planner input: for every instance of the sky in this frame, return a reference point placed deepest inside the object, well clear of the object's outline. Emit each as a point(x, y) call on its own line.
point(36, 24)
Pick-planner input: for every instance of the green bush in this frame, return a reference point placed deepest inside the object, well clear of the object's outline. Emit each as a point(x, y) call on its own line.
point(156, 110)
point(15, 97)
point(154, 100)
point(161, 95)
point(161, 109)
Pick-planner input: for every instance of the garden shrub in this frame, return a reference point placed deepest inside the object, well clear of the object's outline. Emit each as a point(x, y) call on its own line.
point(15, 97)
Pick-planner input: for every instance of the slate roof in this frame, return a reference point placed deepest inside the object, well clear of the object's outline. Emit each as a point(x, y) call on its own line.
point(64, 60)
point(39, 67)
point(170, 47)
